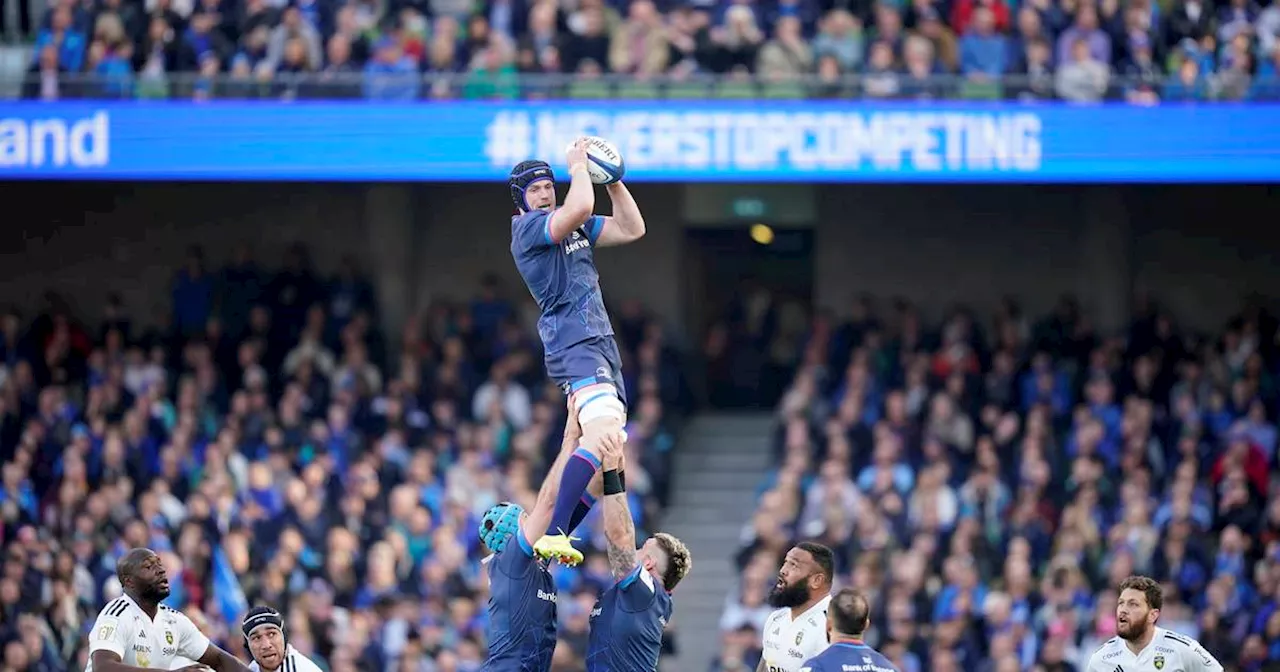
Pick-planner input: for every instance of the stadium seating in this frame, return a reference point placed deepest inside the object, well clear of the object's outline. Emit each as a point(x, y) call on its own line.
point(268, 431)
point(1132, 50)
point(989, 483)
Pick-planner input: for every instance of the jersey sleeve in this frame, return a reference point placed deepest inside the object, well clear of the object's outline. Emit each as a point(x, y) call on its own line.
point(532, 231)
point(1095, 661)
point(814, 664)
point(109, 633)
point(302, 663)
point(192, 643)
point(638, 579)
point(594, 227)
point(1197, 659)
point(514, 560)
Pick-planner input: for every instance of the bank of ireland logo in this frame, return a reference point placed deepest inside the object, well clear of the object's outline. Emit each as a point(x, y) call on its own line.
point(1159, 662)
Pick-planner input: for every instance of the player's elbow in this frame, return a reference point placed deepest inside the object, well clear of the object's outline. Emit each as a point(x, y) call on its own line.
point(637, 228)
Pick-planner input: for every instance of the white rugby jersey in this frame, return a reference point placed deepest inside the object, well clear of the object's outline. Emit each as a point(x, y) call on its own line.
point(293, 662)
point(788, 643)
point(1167, 652)
point(125, 630)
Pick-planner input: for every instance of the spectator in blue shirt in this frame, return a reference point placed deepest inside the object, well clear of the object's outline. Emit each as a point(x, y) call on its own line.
point(390, 75)
point(61, 34)
point(983, 52)
point(1187, 85)
point(192, 295)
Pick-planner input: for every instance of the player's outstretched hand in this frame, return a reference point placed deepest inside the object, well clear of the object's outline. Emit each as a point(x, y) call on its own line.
point(577, 154)
point(572, 428)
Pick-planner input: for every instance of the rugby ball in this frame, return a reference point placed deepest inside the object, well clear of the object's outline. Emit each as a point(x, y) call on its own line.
point(604, 161)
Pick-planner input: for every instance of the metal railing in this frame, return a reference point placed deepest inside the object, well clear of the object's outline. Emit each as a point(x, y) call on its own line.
point(405, 87)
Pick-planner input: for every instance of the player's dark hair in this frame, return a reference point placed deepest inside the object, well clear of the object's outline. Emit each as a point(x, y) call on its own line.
point(849, 611)
point(1148, 587)
point(823, 556)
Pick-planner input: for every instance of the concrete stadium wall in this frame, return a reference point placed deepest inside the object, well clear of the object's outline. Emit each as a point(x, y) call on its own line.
point(1199, 249)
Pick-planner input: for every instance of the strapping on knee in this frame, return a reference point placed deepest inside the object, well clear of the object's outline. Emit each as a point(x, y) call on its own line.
point(599, 401)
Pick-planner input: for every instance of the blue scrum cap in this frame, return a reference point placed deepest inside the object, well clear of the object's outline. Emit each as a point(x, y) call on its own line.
point(499, 523)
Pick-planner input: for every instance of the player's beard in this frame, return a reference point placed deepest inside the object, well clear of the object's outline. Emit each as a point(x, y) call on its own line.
point(156, 592)
point(1133, 629)
point(789, 595)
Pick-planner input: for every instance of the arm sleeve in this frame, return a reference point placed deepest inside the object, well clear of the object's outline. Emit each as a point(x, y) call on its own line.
point(638, 579)
point(594, 227)
point(191, 642)
point(533, 231)
point(108, 634)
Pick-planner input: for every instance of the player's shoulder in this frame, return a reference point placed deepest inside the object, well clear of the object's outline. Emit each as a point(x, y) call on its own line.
point(116, 608)
point(1112, 644)
point(526, 218)
point(1106, 651)
point(816, 617)
point(1176, 642)
point(174, 616)
point(296, 662)
point(772, 619)
point(1175, 639)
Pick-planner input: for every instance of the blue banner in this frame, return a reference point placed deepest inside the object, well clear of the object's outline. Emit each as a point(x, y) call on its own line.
point(836, 141)
point(227, 593)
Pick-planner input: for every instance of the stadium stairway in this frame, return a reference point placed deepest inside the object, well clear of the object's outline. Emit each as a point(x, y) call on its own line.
point(720, 462)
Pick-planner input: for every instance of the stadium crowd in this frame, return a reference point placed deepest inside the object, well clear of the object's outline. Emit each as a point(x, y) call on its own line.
point(1142, 51)
point(989, 484)
point(275, 446)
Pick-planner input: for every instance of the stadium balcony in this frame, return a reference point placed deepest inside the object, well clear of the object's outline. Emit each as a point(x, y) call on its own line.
point(509, 85)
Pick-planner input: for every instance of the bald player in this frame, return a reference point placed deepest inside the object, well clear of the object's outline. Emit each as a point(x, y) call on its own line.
point(135, 632)
point(797, 631)
point(848, 617)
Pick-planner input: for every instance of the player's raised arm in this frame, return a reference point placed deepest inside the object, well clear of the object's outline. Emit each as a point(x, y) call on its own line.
point(539, 519)
point(619, 526)
point(627, 224)
point(580, 202)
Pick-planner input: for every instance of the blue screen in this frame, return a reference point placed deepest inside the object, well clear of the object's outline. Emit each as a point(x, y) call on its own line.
point(834, 141)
